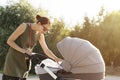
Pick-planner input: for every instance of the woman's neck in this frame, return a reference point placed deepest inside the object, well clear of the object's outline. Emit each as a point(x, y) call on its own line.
point(34, 27)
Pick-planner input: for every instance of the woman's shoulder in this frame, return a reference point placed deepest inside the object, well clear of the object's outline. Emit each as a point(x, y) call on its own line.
point(22, 27)
point(24, 24)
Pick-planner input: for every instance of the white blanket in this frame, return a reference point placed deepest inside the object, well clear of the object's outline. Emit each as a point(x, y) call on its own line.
point(52, 65)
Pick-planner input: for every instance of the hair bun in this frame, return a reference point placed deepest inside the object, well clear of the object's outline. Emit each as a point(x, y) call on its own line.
point(38, 17)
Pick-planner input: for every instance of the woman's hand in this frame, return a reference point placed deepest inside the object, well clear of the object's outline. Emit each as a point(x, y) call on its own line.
point(29, 52)
point(58, 60)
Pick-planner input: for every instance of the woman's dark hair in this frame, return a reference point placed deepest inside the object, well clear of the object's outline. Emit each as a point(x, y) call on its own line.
point(42, 20)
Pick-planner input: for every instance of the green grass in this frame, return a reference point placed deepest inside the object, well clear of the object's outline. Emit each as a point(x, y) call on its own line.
point(113, 71)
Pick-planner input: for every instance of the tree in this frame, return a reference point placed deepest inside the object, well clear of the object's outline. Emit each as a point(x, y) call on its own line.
point(76, 32)
point(57, 33)
point(110, 30)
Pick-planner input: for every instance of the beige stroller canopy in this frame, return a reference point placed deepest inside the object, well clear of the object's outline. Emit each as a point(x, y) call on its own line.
point(80, 56)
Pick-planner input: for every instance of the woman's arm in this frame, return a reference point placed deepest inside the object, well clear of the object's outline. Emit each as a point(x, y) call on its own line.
point(14, 36)
point(45, 48)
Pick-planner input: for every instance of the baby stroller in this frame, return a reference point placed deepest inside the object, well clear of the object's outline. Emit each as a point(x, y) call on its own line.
point(82, 61)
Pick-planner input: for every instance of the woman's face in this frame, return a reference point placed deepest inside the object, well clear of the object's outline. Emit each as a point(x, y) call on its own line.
point(45, 28)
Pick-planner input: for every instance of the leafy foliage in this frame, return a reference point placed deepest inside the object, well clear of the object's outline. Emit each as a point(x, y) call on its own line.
point(57, 33)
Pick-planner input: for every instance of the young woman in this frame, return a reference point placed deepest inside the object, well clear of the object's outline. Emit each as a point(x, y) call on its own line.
point(22, 41)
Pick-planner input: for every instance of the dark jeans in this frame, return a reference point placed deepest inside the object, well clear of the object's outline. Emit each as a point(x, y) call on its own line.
point(6, 77)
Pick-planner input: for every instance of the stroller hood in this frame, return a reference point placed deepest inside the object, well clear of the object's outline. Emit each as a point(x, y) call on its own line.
point(78, 53)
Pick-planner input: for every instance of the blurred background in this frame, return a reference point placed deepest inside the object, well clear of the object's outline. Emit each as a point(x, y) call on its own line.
point(95, 20)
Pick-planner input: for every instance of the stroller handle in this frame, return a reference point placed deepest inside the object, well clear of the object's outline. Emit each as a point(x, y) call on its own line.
point(36, 57)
